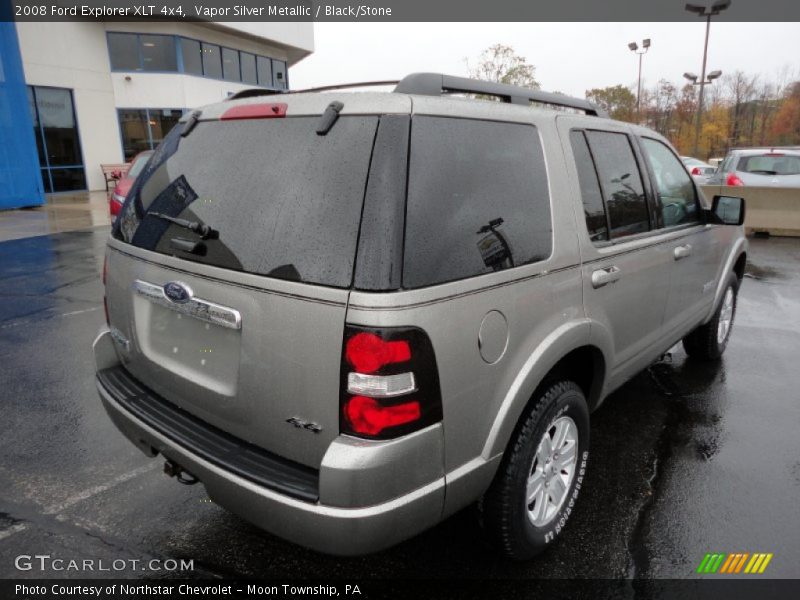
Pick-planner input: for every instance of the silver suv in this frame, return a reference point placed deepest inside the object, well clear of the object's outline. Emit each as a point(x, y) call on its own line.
point(350, 315)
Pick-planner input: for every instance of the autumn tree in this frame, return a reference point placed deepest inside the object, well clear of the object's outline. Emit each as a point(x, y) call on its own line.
point(786, 126)
point(618, 101)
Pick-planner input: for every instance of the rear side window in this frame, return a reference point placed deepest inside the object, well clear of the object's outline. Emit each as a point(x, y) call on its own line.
point(593, 209)
point(285, 201)
point(478, 200)
point(621, 182)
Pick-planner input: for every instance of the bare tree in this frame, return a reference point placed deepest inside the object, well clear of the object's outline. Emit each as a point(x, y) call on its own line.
point(500, 63)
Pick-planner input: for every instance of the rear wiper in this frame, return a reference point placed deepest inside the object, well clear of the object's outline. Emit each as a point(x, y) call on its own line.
point(204, 231)
point(764, 172)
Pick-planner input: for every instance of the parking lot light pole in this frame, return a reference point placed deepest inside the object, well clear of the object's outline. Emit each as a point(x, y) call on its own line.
point(634, 47)
point(707, 12)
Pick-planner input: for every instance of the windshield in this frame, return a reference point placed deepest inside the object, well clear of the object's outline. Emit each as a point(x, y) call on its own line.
point(770, 164)
point(285, 202)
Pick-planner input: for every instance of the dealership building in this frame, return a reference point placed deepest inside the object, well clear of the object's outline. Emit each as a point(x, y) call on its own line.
point(75, 95)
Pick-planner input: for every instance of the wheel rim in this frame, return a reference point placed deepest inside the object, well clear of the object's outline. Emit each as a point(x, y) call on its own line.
point(725, 316)
point(552, 471)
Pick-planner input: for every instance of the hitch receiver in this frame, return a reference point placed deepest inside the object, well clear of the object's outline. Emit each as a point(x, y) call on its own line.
point(173, 469)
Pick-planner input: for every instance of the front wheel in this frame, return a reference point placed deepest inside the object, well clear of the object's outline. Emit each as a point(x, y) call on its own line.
point(709, 341)
point(540, 477)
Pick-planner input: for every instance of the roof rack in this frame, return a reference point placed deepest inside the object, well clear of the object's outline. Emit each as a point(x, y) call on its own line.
point(250, 93)
point(436, 84)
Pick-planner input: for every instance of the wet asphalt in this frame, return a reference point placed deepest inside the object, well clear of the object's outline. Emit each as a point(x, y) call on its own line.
point(685, 459)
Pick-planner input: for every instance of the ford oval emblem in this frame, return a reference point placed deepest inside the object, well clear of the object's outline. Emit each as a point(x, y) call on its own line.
point(177, 292)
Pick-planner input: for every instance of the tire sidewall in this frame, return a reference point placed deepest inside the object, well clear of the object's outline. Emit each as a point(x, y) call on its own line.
point(732, 284)
point(569, 403)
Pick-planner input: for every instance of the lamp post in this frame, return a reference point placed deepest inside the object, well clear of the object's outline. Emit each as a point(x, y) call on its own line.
point(634, 47)
point(707, 12)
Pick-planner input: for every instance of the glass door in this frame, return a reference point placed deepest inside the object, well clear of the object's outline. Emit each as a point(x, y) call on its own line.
point(57, 139)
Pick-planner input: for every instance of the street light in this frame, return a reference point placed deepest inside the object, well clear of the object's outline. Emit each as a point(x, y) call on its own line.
point(634, 47)
point(707, 12)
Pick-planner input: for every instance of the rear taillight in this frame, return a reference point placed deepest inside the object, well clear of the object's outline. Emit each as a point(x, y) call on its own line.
point(733, 179)
point(696, 171)
point(389, 382)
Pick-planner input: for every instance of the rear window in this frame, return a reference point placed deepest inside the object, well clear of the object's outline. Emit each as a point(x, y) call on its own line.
point(285, 201)
point(478, 200)
point(770, 164)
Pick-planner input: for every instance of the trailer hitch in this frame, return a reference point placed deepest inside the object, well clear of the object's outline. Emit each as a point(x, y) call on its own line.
point(173, 469)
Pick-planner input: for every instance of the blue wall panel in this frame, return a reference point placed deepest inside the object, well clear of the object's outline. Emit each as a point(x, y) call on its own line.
point(20, 180)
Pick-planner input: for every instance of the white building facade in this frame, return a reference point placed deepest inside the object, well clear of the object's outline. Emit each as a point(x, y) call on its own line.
point(102, 92)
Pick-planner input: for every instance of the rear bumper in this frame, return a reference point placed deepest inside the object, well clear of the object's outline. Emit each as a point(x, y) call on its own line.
point(361, 507)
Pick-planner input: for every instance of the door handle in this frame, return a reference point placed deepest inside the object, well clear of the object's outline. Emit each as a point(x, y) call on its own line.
point(682, 251)
point(605, 276)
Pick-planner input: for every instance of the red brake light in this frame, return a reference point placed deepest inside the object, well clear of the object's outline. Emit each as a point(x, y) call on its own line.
point(389, 382)
point(367, 416)
point(367, 352)
point(734, 180)
point(696, 171)
point(274, 110)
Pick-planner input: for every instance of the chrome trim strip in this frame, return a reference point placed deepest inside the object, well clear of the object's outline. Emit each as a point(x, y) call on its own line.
point(195, 307)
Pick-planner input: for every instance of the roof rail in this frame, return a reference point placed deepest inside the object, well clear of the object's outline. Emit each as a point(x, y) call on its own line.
point(436, 84)
point(251, 92)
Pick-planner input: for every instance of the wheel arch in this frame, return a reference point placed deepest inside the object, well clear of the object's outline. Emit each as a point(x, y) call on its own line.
point(568, 353)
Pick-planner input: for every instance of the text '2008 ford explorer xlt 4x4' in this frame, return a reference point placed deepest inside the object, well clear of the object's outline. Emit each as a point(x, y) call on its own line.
point(350, 315)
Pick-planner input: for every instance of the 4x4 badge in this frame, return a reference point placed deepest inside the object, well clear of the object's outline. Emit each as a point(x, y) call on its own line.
point(301, 424)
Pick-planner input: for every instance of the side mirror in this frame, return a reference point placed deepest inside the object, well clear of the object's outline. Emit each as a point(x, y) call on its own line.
point(116, 174)
point(728, 210)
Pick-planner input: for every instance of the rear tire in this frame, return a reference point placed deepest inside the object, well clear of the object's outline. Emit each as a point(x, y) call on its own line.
point(540, 476)
point(709, 341)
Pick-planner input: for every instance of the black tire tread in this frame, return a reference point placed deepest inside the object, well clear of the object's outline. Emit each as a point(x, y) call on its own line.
point(496, 505)
point(701, 344)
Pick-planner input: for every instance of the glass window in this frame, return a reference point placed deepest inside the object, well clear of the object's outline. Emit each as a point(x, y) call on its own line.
point(621, 182)
point(279, 73)
point(161, 122)
point(135, 133)
point(57, 139)
point(123, 49)
point(775, 163)
point(143, 129)
point(676, 194)
point(264, 71)
point(230, 65)
point(212, 62)
point(593, 209)
point(158, 53)
point(482, 206)
point(57, 120)
point(270, 221)
point(249, 68)
point(192, 57)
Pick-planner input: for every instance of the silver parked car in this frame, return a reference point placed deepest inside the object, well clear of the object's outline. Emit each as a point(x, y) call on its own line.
point(769, 167)
point(699, 170)
point(350, 315)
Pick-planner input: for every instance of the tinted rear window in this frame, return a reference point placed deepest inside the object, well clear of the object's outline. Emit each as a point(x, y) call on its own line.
point(285, 201)
point(478, 200)
point(775, 164)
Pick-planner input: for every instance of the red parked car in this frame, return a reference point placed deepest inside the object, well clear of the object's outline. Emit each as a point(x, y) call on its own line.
point(124, 183)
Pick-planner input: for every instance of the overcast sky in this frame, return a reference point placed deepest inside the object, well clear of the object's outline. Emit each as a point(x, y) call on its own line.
point(569, 57)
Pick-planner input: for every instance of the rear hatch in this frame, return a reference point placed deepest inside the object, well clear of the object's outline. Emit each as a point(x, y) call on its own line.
point(244, 328)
